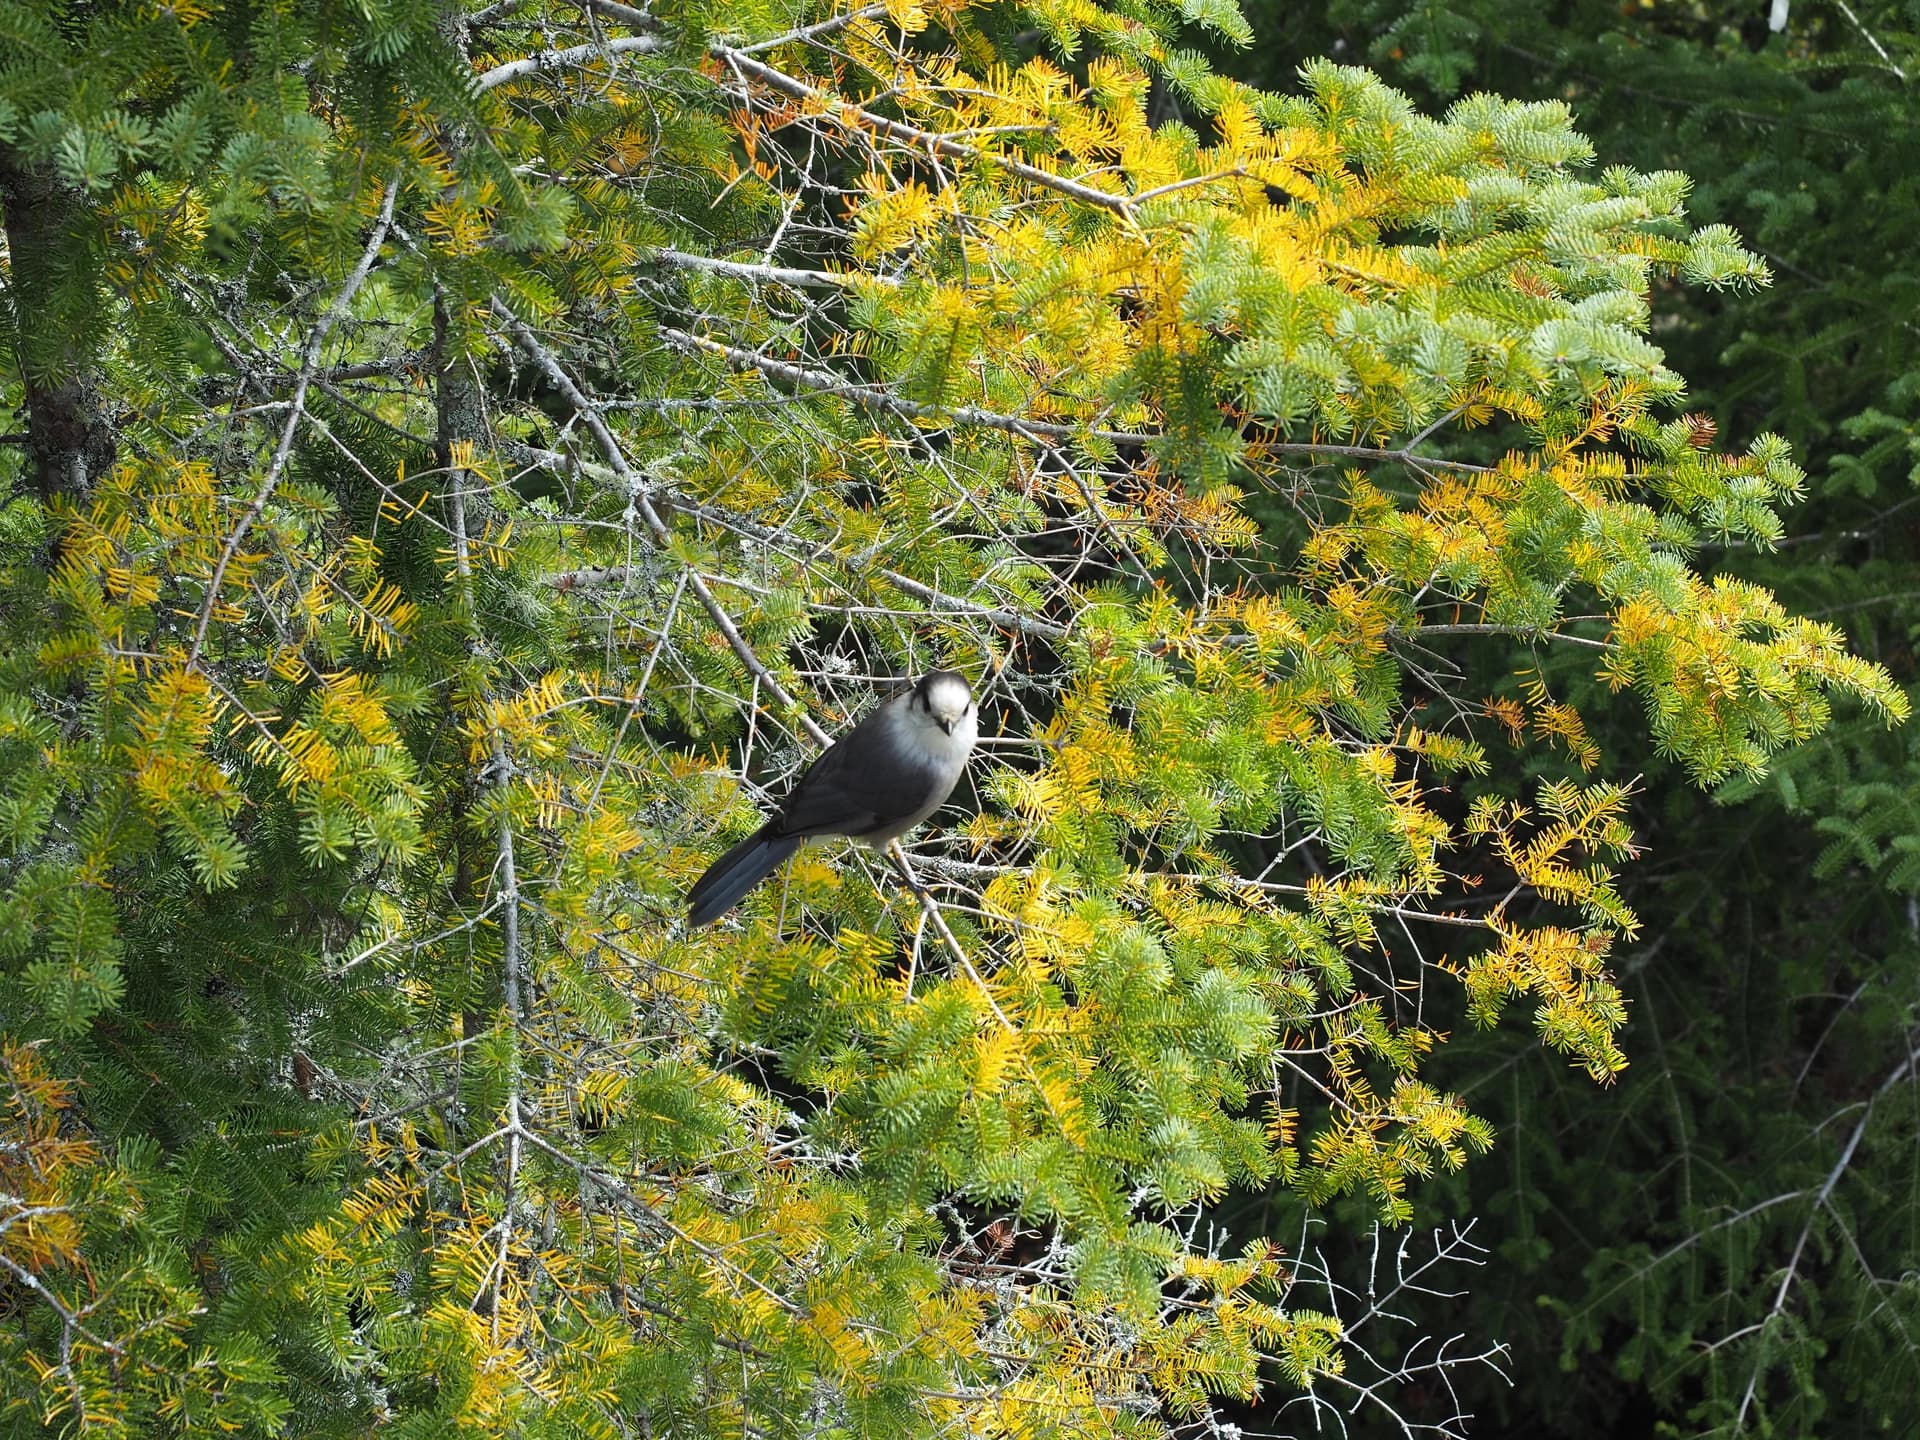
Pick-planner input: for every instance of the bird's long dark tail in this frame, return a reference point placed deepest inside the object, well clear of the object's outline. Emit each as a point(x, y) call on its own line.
point(729, 878)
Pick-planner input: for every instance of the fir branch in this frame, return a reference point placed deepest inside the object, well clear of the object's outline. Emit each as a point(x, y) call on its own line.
point(1871, 39)
point(1233, 172)
point(1012, 620)
point(1821, 1201)
point(807, 33)
point(931, 912)
point(642, 503)
point(593, 577)
point(498, 775)
point(492, 14)
point(858, 120)
point(549, 61)
point(511, 963)
point(625, 14)
point(1529, 632)
point(772, 274)
point(619, 1188)
point(296, 410)
point(876, 397)
point(70, 1325)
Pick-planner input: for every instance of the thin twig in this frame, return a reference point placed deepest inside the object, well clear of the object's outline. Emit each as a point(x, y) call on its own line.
point(551, 60)
point(643, 505)
point(1535, 632)
point(295, 408)
point(1871, 39)
point(876, 398)
point(814, 32)
point(773, 274)
point(1820, 1200)
point(620, 1188)
point(858, 119)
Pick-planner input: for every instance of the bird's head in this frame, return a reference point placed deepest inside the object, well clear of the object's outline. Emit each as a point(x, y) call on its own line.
point(943, 699)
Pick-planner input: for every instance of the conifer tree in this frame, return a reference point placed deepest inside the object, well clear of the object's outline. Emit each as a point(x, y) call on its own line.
point(468, 461)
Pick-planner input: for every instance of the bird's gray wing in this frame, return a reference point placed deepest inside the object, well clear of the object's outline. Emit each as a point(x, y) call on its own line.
point(859, 785)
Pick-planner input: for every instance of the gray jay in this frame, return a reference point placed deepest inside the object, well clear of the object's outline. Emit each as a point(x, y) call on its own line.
point(878, 781)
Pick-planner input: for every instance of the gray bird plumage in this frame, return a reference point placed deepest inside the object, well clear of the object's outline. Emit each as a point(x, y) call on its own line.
point(878, 781)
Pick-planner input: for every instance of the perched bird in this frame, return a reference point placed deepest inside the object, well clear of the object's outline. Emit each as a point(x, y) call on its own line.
point(878, 781)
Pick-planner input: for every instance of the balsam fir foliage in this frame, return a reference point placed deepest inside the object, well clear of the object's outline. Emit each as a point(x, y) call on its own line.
point(533, 431)
point(1725, 1243)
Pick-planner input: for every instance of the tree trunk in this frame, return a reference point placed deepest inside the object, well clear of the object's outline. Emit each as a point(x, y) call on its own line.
point(69, 440)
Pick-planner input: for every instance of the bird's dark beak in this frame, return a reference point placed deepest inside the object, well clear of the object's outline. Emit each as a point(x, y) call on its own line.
point(947, 725)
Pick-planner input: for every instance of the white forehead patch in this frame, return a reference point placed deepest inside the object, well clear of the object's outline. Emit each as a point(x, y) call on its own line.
point(948, 695)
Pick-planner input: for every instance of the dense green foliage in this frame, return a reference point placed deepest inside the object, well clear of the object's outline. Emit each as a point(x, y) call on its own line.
point(1730, 1241)
point(462, 463)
